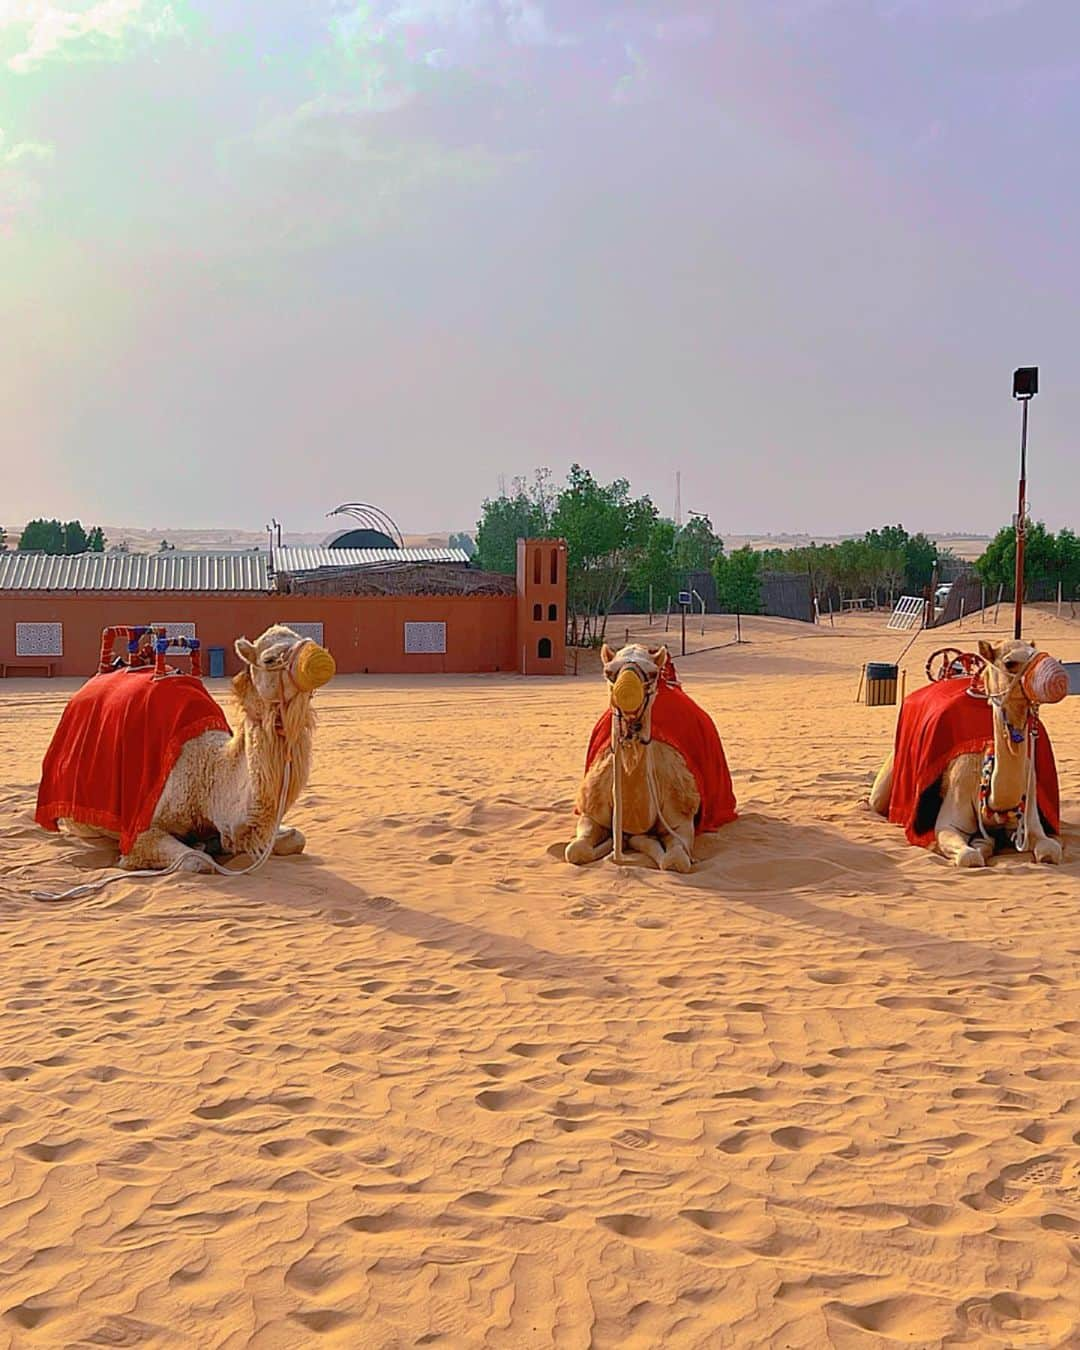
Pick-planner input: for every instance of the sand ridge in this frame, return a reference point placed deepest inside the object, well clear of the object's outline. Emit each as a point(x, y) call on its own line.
point(427, 1085)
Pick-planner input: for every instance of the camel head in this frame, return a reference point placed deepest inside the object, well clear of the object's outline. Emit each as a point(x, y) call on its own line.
point(632, 674)
point(281, 672)
point(1041, 677)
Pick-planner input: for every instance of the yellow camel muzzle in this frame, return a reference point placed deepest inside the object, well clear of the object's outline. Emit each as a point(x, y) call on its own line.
point(314, 667)
point(628, 691)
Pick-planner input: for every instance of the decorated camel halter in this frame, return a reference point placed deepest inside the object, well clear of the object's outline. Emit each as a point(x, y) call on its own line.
point(307, 667)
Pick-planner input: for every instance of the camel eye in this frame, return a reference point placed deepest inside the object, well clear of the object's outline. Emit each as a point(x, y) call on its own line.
point(610, 676)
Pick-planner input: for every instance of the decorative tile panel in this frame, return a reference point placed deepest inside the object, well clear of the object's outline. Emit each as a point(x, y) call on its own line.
point(39, 639)
point(175, 630)
point(425, 638)
point(314, 631)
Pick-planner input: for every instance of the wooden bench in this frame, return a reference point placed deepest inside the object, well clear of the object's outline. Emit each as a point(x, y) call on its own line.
point(28, 663)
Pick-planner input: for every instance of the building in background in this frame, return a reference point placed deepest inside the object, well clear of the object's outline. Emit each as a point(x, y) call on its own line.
point(380, 611)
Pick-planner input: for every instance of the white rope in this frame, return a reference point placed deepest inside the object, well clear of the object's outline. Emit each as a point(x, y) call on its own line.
point(92, 887)
point(616, 796)
point(655, 810)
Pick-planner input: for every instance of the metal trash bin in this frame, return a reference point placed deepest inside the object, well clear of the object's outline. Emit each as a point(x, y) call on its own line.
point(216, 657)
point(880, 684)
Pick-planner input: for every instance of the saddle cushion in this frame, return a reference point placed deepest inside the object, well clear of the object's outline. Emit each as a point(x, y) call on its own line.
point(937, 724)
point(116, 744)
point(679, 722)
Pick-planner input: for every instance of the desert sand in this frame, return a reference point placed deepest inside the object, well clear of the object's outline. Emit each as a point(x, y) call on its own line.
point(428, 1085)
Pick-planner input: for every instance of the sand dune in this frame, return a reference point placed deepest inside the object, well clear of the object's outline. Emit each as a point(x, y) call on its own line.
point(427, 1085)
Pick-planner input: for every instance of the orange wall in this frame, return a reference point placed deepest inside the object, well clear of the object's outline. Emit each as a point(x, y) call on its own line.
point(364, 634)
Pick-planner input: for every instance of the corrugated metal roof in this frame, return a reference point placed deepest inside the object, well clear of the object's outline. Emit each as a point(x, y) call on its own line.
point(310, 559)
point(171, 571)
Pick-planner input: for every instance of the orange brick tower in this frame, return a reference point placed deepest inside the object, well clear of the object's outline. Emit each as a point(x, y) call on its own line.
point(541, 606)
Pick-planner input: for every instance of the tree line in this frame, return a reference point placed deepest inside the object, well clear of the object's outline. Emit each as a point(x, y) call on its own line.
point(621, 545)
point(54, 536)
point(1048, 558)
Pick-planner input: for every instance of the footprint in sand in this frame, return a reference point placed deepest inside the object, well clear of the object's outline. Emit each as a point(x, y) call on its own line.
point(1016, 1183)
point(1012, 1320)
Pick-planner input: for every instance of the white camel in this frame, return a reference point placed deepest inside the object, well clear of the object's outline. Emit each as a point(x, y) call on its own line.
point(238, 784)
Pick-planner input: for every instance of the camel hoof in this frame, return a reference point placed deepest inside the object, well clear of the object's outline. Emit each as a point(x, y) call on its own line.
point(676, 860)
point(288, 842)
point(578, 852)
point(1048, 851)
point(196, 862)
point(971, 857)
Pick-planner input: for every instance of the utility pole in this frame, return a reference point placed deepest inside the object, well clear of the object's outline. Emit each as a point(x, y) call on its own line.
point(1025, 387)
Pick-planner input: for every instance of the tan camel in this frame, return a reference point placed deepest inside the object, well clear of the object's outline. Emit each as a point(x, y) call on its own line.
point(234, 783)
point(965, 827)
point(659, 797)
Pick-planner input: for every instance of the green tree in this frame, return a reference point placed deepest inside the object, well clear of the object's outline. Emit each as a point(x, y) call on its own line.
point(42, 536)
point(697, 546)
point(920, 554)
point(1042, 556)
point(463, 541)
point(96, 540)
point(75, 540)
point(738, 581)
point(654, 565)
point(606, 533)
point(523, 514)
point(1067, 556)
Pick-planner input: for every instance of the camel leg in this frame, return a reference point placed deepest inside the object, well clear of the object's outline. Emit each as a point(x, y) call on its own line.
point(288, 841)
point(882, 789)
point(678, 848)
point(954, 830)
point(1044, 848)
point(154, 850)
point(592, 841)
point(649, 845)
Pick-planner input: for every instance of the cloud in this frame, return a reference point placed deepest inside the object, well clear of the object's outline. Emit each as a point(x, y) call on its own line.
point(20, 185)
point(330, 169)
point(103, 30)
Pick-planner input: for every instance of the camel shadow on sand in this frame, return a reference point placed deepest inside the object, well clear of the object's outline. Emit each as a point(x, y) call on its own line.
point(793, 871)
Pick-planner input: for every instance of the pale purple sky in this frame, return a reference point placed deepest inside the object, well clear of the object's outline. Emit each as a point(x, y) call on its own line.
point(255, 261)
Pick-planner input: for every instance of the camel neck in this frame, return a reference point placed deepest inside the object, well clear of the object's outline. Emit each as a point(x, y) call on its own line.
point(1009, 779)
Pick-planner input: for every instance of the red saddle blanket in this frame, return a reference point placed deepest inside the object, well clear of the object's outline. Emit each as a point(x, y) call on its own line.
point(936, 725)
point(679, 722)
point(115, 746)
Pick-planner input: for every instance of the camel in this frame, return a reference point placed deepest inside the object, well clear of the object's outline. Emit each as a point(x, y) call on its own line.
point(672, 775)
point(990, 793)
point(236, 784)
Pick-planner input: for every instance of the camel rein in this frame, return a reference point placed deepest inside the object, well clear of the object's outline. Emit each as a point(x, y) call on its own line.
point(619, 737)
point(92, 887)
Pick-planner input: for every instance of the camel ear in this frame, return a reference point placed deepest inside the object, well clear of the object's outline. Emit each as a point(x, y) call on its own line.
point(660, 656)
point(987, 651)
point(245, 650)
point(606, 654)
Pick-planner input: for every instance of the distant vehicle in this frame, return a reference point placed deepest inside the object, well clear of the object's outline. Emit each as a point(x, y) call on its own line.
point(941, 596)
